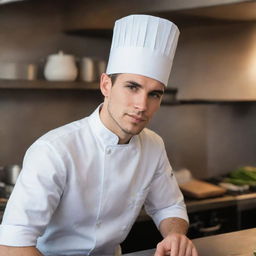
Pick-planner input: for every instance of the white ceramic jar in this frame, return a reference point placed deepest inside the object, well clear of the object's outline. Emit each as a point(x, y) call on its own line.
point(60, 67)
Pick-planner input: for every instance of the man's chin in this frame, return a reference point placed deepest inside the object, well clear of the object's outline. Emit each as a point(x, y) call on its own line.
point(133, 131)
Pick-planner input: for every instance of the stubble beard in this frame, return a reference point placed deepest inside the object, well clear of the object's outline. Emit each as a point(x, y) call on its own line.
point(126, 131)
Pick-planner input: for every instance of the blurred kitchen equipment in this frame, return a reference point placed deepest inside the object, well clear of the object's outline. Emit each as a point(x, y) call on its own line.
point(234, 188)
point(13, 70)
point(60, 67)
point(201, 189)
point(2, 190)
point(196, 188)
point(183, 175)
point(91, 69)
point(10, 173)
point(88, 69)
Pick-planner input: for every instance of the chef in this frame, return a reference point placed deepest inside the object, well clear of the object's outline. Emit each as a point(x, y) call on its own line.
point(82, 185)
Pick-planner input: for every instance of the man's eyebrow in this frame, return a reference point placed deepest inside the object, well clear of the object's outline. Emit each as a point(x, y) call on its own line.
point(139, 85)
point(159, 91)
point(134, 83)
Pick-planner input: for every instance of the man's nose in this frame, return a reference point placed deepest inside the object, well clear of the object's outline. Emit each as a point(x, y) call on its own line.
point(141, 102)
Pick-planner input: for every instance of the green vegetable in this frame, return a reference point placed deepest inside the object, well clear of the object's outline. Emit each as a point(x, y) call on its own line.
point(243, 176)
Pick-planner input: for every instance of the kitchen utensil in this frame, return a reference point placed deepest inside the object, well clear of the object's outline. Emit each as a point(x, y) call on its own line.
point(60, 67)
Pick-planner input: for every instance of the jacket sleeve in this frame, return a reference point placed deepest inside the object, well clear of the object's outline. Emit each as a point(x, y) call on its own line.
point(35, 196)
point(165, 199)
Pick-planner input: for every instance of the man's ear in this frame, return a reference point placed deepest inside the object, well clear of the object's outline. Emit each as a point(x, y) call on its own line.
point(105, 84)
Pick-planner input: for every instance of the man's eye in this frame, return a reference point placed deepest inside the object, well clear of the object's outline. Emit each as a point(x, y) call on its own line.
point(155, 95)
point(132, 87)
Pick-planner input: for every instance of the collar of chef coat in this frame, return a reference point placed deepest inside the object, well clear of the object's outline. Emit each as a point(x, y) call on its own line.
point(103, 133)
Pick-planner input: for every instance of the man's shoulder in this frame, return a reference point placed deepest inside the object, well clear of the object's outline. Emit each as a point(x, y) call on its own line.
point(58, 141)
point(151, 136)
point(64, 132)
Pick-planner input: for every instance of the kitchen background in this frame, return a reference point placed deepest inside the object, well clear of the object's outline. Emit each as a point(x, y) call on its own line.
point(210, 129)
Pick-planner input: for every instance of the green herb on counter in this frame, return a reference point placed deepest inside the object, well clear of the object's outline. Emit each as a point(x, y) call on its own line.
point(243, 176)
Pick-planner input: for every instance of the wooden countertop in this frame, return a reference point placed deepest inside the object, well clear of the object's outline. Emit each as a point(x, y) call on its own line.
point(240, 243)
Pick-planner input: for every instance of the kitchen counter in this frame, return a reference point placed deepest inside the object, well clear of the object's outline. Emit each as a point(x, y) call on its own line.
point(245, 201)
point(212, 216)
point(241, 201)
point(241, 243)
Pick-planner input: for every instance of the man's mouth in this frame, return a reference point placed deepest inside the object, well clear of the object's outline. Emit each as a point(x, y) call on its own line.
point(137, 119)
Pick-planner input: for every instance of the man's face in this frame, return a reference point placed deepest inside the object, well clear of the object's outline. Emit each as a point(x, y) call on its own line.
point(129, 104)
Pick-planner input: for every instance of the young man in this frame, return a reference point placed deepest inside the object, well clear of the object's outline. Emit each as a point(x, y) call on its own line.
point(82, 185)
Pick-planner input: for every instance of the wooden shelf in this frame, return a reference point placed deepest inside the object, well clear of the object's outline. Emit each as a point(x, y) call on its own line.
point(59, 85)
point(47, 85)
point(8, 84)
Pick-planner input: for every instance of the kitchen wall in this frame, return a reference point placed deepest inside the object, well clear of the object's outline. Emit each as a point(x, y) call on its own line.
point(209, 139)
point(31, 30)
point(28, 34)
point(216, 60)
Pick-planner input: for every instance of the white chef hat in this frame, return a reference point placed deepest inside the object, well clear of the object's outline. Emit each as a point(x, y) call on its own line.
point(144, 45)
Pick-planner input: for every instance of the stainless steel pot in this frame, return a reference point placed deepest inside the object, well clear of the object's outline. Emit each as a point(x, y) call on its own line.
point(10, 174)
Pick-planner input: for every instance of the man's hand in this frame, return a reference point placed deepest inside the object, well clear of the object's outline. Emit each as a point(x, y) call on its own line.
point(175, 244)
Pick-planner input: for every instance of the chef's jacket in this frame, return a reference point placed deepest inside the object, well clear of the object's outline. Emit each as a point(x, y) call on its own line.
point(79, 191)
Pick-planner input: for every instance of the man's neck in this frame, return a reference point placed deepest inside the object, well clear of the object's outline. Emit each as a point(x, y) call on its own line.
point(125, 139)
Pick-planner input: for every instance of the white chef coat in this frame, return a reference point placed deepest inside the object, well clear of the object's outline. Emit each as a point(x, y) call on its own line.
point(79, 191)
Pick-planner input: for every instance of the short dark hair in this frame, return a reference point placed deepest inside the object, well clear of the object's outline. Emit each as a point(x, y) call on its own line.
point(113, 77)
